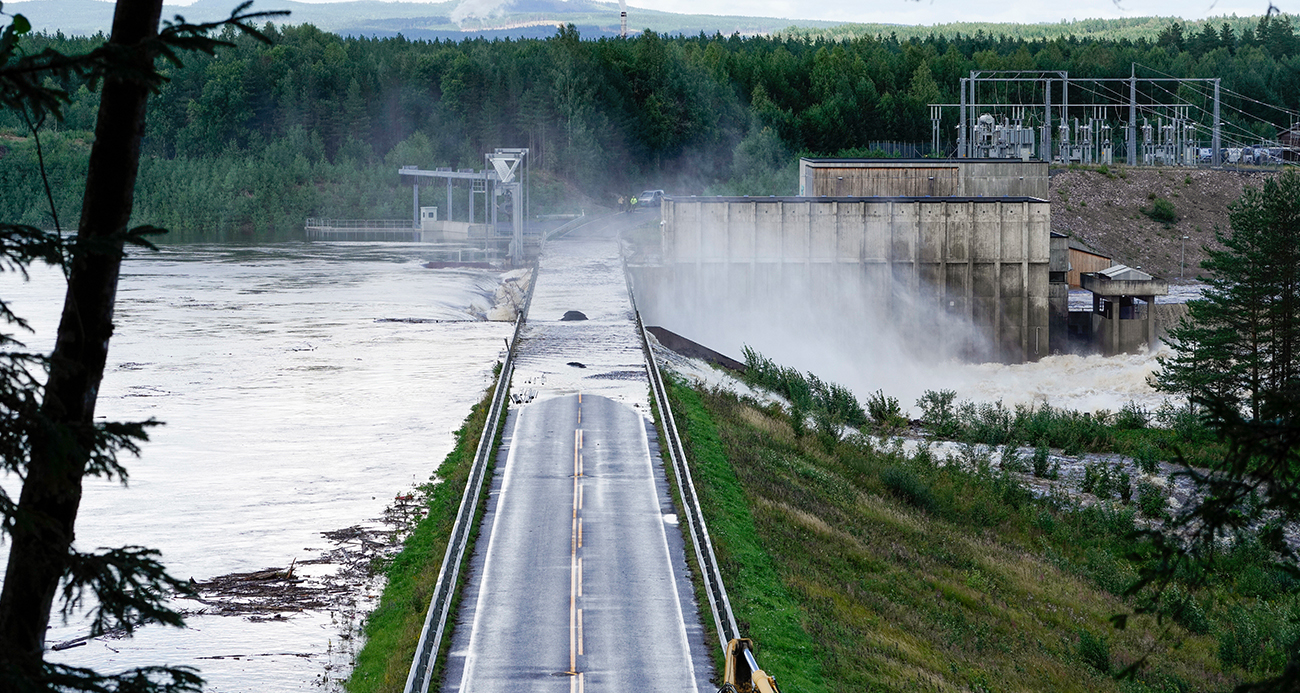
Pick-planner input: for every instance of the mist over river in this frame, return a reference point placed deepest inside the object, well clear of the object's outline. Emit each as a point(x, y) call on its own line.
point(302, 387)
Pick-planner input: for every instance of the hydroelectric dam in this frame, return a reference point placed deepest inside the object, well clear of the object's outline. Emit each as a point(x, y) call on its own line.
point(579, 576)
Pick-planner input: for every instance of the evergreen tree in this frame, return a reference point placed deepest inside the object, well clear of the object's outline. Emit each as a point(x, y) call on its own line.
point(1171, 36)
point(1205, 41)
point(1227, 39)
point(1240, 344)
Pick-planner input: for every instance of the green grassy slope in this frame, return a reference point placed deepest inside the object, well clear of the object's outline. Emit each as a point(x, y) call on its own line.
point(904, 575)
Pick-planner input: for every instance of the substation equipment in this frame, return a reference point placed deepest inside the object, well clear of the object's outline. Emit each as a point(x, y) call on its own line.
point(1051, 127)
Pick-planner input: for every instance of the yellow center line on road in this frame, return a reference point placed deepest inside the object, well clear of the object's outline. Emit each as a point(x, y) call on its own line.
point(573, 619)
point(575, 563)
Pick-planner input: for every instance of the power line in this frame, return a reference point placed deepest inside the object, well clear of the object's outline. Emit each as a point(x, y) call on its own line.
point(1295, 114)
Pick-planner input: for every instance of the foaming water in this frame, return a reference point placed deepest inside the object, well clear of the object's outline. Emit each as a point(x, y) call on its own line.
point(1085, 383)
point(302, 386)
point(868, 361)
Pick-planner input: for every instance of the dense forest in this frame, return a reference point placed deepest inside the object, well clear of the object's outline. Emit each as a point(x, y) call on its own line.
point(249, 143)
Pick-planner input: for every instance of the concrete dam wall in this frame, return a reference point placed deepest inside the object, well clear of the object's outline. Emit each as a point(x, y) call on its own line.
point(952, 276)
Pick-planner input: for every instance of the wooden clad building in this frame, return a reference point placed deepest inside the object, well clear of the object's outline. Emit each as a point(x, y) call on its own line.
point(1290, 141)
point(1084, 261)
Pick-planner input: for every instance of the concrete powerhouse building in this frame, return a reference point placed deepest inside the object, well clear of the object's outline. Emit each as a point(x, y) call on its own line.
point(933, 267)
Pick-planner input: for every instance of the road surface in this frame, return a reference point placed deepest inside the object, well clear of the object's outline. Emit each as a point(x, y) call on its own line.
point(579, 580)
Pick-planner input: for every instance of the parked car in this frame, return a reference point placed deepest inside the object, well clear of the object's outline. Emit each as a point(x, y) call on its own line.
point(648, 199)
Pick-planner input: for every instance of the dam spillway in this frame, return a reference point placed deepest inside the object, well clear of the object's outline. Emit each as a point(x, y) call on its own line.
point(971, 273)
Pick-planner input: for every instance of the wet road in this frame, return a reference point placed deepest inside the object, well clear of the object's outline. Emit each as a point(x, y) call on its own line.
point(579, 580)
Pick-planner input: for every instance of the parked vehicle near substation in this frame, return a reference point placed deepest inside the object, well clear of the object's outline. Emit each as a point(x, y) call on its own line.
point(648, 199)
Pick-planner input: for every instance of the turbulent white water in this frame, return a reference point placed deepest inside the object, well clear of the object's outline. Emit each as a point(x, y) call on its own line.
point(1086, 383)
point(862, 352)
point(302, 387)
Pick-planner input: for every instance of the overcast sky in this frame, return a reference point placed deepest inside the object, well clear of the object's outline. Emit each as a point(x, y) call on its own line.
point(940, 11)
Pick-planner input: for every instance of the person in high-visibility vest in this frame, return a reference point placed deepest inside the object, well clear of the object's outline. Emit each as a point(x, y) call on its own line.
point(633, 203)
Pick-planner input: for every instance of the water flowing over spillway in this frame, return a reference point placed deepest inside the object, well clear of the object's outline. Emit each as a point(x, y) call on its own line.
point(302, 387)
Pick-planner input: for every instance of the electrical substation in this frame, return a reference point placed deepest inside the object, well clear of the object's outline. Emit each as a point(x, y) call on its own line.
point(1136, 120)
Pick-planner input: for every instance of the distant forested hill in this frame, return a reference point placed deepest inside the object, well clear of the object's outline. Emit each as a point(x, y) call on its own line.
point(253, 141)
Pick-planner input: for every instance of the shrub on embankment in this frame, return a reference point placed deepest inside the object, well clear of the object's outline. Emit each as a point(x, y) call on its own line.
point(831, 405)
point(392, 631)
point(865, 569)
point(1147, 436)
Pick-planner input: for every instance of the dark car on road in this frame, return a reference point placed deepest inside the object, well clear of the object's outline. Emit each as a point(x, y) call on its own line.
point(648, 199)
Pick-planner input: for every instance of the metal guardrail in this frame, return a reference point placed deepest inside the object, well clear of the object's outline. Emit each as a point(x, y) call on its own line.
point(435, 620)
point(396, 224)
point(719, 604)
point(566, 227)
point(724, 620)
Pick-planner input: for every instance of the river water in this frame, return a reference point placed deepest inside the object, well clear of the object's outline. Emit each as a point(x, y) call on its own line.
point(302, 386)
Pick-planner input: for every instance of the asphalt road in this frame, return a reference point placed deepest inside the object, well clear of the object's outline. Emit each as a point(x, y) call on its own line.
point(575, 585)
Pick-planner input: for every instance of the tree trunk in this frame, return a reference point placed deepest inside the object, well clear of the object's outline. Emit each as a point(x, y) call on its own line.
point(47, 511)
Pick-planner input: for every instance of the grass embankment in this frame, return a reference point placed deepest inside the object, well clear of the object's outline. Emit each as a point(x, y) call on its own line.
point(860, 569)
point(393, 630)
point(765, 609)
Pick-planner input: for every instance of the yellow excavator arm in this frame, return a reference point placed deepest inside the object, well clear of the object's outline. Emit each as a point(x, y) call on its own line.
point(742, 674)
